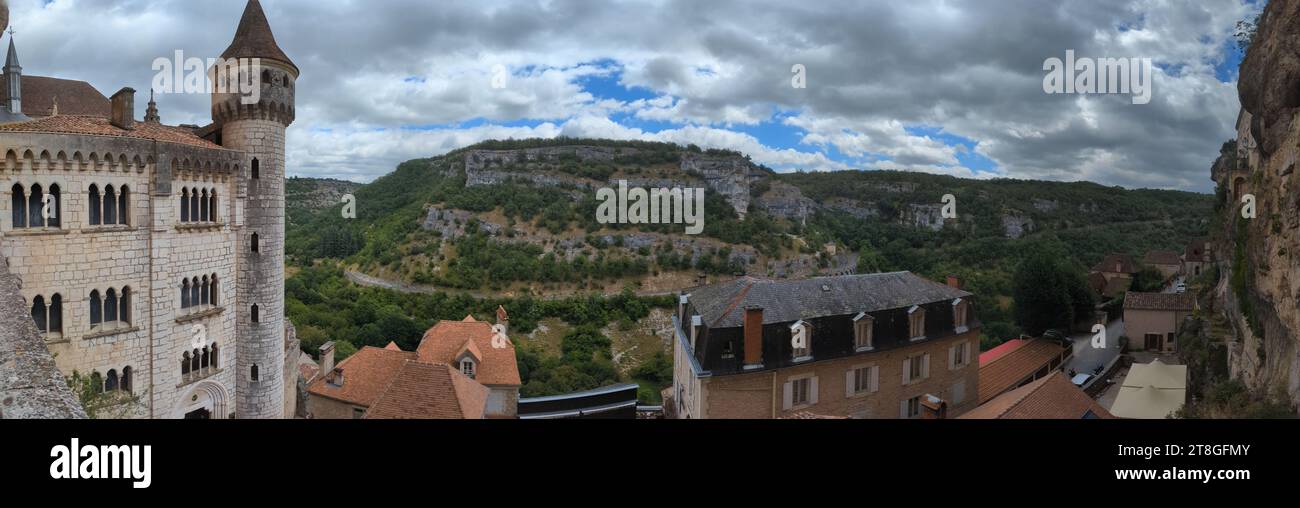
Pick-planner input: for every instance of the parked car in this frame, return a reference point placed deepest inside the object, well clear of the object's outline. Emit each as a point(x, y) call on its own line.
point(1180, 288)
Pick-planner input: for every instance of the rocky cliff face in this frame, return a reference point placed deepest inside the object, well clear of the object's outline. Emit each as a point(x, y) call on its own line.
point(1257, 289)
point(31, 386)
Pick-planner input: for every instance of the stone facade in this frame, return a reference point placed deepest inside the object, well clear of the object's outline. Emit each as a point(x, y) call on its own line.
point(185, 353)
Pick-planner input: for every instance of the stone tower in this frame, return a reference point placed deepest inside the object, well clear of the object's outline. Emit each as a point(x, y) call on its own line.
point(259, 131)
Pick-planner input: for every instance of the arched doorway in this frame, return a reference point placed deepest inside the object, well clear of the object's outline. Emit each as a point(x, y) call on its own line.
point(204, 401)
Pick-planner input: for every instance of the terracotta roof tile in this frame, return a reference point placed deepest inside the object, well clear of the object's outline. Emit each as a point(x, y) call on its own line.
point(1162, 257)
point(1005, 373)
point(100, 126)
point(254, 39)
point(1159, 301)
point(392, 346)
point(1051, 398)
point(365, 375)
point(1123, 262)
point(426, 391)
point(446, 340)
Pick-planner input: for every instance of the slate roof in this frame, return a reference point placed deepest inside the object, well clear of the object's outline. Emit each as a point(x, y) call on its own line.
point(723, 305)
point(254, 39)
point(1051, 398)
point(101, 126)
point(1162, 257)
point(1002, 374)
point(1159, 301)
point(75, 97)
point(427, 391)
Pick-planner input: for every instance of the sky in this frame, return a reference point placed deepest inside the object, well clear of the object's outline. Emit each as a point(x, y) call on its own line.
point(938, 86)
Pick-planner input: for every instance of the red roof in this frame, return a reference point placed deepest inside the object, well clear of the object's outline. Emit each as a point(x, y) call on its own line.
point(1001, 351)
point(447, 341)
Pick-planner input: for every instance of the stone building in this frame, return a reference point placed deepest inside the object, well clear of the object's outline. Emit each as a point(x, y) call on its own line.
point(152, 256)
point(891, 345)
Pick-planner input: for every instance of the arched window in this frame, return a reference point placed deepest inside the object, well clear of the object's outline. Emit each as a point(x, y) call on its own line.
point(185, 204)
point(95, 206)
point(266, 78)
point(35, 204)
point(124, 315)
point(195, 361)
point(126, 379)
point(204, 214)
point(252, 373)
point(205, 294)
point(194, 205)
point(206, 357)
point(257, 169)
point(56, 202)
point(96, 309)
point(19, 206)
point(213, 297)
point(123, 206)
point(56, 313)
point(194, 292)
point(185, 294)
point(39, 314)
point(185, 363)
point(110, 383)
point(110, 206)
point(212, 205)
point(255, 314)
point(256, 246)
point(110, 306)
point(216, 357)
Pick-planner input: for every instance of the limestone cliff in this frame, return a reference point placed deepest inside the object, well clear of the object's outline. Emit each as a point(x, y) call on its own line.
point(1257, 290)
point(31, 387)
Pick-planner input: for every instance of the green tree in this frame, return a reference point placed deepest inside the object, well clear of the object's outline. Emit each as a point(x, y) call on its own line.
point(1049, 293)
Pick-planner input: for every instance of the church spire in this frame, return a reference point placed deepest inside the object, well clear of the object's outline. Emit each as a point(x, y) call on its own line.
point(151, 113)
point(253, 38)
point(14, 84)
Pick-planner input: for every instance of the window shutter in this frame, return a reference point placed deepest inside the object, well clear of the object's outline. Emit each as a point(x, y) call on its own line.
point(965, 357)
point(812, 397)
point(952, 358)
point(875, 380)
point(907, 371)
point(789, 396)
point(925, 366)
point(902, 409)
point(850, 379)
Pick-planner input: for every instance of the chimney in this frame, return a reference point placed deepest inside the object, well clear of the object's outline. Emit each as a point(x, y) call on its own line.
point(327, 359)
point(933, 408)
point(753, 337)
point(954, 282)
point(503, 319)
point(124, 109)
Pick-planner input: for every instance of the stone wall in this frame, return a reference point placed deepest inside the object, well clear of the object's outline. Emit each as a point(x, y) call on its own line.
point(31, 386)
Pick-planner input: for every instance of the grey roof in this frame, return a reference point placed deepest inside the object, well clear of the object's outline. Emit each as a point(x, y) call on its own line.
point(723, 305)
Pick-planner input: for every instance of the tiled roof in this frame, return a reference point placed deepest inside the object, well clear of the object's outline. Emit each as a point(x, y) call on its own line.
point(1123, 261)
point(723, 305)
point(1162, 257)
point(1002, 350)
point(101, 126)
point(1051, 398)
point(254, 39)
point(805, 415)
point(1197, 251)
point(427, 391)
point(1117, 286)
point(1003, 374)
point(365, 375)
point(446, 340)
point(1097, 281)
point(1159, 301)
point(75, 97)
point(392, 346)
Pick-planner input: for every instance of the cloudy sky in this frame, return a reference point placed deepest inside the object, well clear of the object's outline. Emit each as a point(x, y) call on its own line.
point(940, 86)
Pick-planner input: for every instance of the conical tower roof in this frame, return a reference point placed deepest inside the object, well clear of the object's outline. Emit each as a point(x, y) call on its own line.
point(253, 38)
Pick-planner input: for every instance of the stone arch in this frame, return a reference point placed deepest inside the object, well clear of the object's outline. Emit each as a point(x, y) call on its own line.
point(11, 160)
point(1239, 187)
point(205, 395)
point(109, 161)
point(123, 163)
point(45, 159)
point(94, 161)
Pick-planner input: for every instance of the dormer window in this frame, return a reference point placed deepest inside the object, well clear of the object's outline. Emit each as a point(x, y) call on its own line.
point(801, 341)
point(697, 322)
point(916, 322)
point(863, 326)
point(467, 367)
point(960, 316)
